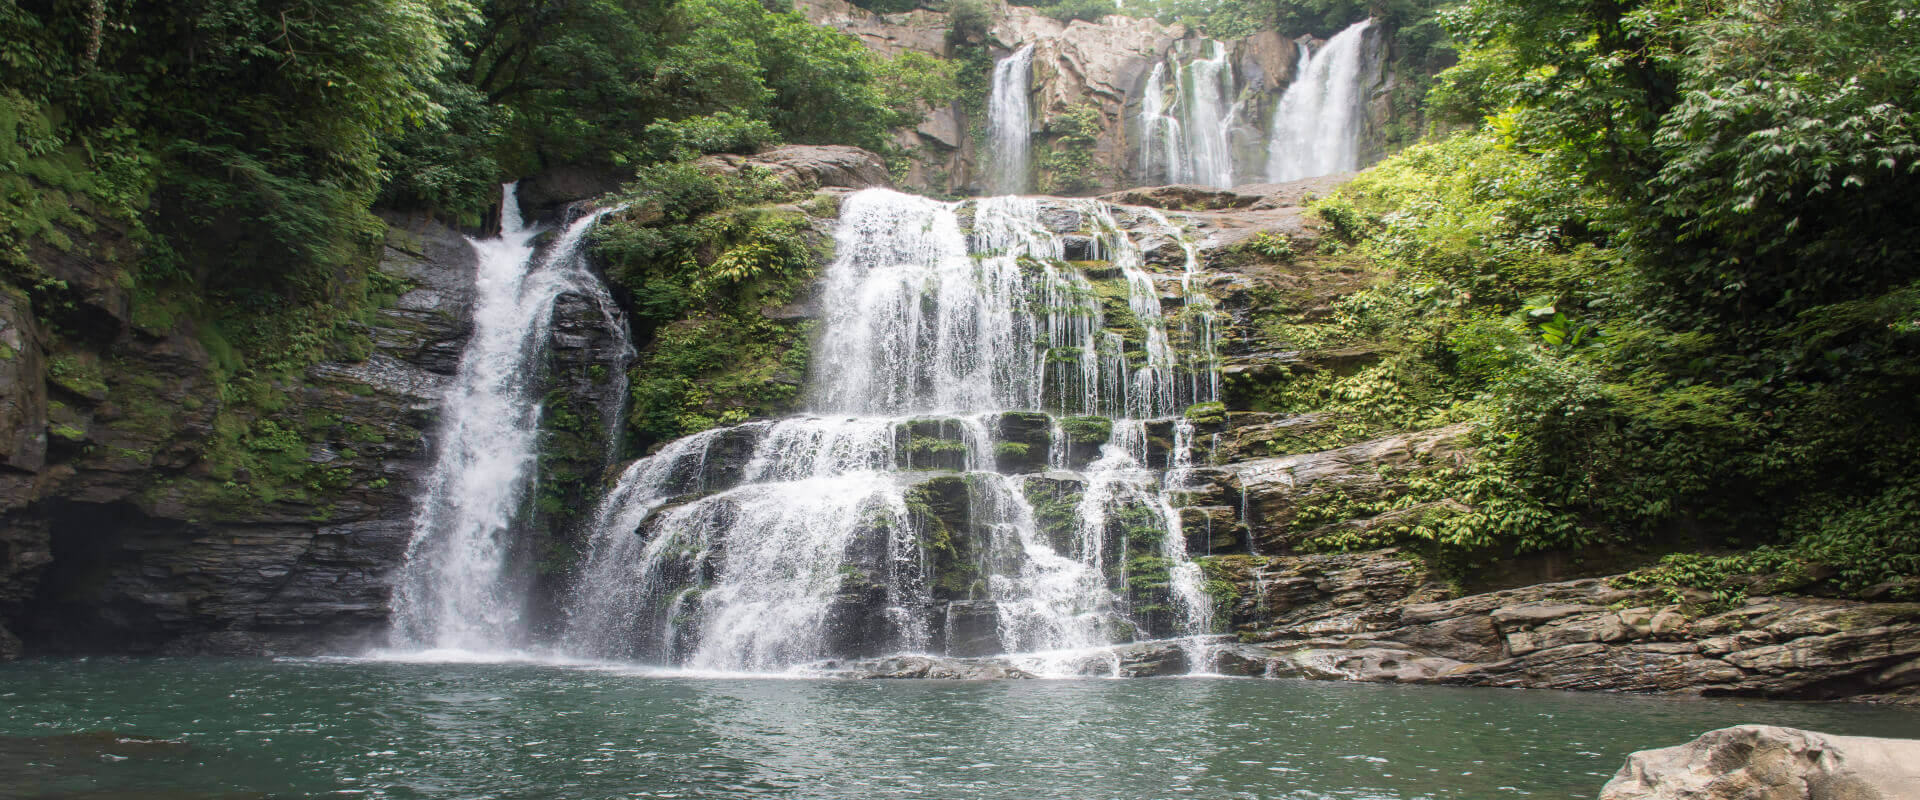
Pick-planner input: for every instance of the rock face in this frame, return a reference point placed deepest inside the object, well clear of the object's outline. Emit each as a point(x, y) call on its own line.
point(115, 537)
point(1764, 762)
point(1379, 617)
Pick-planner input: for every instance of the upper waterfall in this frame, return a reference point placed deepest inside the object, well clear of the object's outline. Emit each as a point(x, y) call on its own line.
point(1010, 121)
point(1187, 116)
point(1318, 123)
point(462, 586)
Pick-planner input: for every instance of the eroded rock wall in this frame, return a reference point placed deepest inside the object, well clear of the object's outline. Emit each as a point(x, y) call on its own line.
point(122, 537)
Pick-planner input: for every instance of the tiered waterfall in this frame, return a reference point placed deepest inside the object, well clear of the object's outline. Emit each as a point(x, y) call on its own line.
point(991, 464)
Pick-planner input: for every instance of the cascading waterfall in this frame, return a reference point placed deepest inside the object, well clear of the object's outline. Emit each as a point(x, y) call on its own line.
point(1317, 124)
point(1186, 131)
point(459, 587)
point(1010, 119)
point(957, 337)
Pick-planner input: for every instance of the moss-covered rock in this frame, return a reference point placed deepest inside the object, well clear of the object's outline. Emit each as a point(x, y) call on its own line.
point(1022, 441)
point(1084, 436)
point(931, 443)
point(941, 511)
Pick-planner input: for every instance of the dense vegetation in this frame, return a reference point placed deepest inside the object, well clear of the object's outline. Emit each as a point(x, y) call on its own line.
point(1670, 275)
point(219, 160)
point(1661, 251)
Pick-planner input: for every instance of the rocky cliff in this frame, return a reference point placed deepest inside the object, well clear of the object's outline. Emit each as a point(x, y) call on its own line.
point(128, 530)
point(1089, 86)
point(157, 499)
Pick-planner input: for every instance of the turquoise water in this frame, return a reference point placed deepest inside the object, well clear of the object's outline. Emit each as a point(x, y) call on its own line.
point(369, 729)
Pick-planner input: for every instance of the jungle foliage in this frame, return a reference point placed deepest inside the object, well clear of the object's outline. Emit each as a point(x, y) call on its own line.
point(241, 143)
point(1668, 275)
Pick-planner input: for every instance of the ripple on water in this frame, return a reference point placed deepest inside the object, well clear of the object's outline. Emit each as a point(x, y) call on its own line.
point(517, 728)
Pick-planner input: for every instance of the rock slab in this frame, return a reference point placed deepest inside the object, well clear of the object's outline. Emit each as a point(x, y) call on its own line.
point(1764, 762)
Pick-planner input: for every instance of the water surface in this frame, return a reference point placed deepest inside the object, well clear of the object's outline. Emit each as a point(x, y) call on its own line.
point(392, 730)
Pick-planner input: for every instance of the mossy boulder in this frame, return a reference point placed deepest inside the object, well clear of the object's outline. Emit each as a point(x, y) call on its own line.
point(1084, 436)
point(931, 443)
point(1022, 441)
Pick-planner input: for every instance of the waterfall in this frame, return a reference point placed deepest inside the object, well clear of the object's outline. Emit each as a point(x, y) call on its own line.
point(1010, 120)
point(1186, 131)
point(945, 492)
point(460, 586)
point(1317, 124)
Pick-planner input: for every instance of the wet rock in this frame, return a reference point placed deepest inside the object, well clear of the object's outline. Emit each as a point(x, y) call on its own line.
point(728, 455)
point(1079, 248)
point(931, 443)
point(1084, 436)
point(428, 326)
point(1022, 439)
point(923, 666)
point(972, 628)
point(941, 509)
point(1153, 659)
point(1765, 762)
point(1212, 529)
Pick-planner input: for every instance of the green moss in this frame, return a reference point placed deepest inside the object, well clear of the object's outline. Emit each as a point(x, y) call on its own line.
point(938, 511)
point(1056, 512)
point(1207, 414)
point(701, 275)
point(78, 373)
point(1087, 430)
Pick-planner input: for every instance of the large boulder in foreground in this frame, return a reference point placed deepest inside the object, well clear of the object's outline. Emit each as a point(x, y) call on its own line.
point(1764, 762)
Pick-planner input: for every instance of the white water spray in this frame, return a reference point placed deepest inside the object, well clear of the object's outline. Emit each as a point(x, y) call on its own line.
point(460, 587)
point(1317, 124)
point(1010, 120)
point(1187, 117)
point(814, 547)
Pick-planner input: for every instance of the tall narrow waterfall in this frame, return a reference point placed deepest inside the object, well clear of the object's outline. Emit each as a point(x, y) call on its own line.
point(1010, 120)
point(1187, 116)
point(461, 587)
point(990, 467)
point(1318, 122)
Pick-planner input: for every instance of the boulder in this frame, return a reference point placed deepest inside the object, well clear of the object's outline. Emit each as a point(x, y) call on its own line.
point(546, 194)
point(1182, 197)
point(1765, 762)
point(805, 167)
